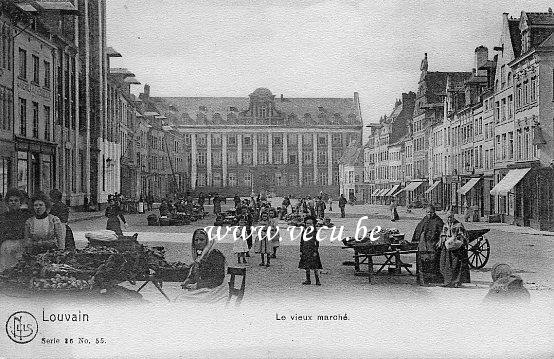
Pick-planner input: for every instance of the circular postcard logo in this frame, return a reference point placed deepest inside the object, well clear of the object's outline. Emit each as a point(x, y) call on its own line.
point(22, 327)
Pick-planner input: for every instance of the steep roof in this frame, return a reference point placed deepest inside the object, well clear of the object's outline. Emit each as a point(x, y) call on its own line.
point(540, 18)
point(515, 36)
point(233, 110)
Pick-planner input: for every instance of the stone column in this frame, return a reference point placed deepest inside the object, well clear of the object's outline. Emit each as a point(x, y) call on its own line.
point(300, 159)
point(255, 149)
point(224, 159)
point(329, 160)
point(209, 159)
point(239, 149)
point(285, 148)
point(314, 144)
point(193, 164)
point(270, 147)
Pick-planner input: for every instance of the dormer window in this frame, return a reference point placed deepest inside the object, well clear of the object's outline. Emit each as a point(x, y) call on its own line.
point(264, 112)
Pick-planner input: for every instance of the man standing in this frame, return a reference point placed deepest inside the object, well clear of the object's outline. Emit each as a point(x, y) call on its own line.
point(237, 201)
point(428, 233)
point(342, 203)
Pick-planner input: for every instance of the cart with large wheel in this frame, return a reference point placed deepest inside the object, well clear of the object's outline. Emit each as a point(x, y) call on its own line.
point(478, 247)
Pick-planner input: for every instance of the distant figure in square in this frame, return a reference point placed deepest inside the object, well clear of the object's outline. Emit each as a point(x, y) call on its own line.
point(309, 251)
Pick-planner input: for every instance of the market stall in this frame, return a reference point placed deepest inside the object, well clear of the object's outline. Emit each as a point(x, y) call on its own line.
point(391, 245)
point(99, 268)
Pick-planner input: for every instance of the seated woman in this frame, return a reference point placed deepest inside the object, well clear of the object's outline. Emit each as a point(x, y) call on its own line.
point(206, 279)
point(12, 229)
point(44, 231)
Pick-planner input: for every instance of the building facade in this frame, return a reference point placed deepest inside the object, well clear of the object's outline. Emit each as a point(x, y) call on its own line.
point(263, 143)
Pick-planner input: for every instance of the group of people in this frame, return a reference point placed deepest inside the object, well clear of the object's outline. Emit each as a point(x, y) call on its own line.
point(443, 249)
point(33, 226)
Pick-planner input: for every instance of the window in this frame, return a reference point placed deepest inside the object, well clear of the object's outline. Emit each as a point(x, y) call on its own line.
point(322, 157)
point(533, 89)
point(263, 157)
point(216, 139)
point(216, 179)
point(201, 180)
point(293, 179)
point(277, 157)
point(307, 157)
point(6, 111)
point(23, 117)
point(503, 75)
point(247, 179)
point(277, 139)
point(35, 119)
point(503, 110)
point(307, 139)
point(232, 158)
point(307, 178)
point(293, 158)
point(510, 145)
point(292, 139)
point(36, 70)
point(336, 138)
point(504, 152)
point(247, 140)
point(201, 157)
point(232, 140)
point(22, 64)
point(232, 179)
point(247, 157)
point(47, 81)
point(497, 147)
point(322, 178)
point(216, 158)
point(6, 49)
point(201, 140)
point(279, 179)
point(262, 139)
point(321, 139)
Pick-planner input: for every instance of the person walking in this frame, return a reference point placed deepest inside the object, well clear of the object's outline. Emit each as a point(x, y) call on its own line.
point(427, 234)
point(309, 251)
point(115, 217)
point(217, 204)
point(393, 212)
point(342, 204)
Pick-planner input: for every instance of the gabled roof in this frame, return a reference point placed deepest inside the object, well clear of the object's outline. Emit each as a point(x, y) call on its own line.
point(515, 36)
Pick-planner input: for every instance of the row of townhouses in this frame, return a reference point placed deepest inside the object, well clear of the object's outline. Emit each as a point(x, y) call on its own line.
point(481, 139)
point(69, 120)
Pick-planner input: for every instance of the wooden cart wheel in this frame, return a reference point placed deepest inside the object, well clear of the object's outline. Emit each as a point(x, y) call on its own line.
point(479, 252)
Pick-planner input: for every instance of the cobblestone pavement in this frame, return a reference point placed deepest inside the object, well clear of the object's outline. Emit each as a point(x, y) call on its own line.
point(529, 252)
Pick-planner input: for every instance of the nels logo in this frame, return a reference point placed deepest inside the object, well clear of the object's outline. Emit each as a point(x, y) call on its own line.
point(22, 327)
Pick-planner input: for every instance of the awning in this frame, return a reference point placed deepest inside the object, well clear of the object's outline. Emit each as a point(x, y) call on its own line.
point(382, 192)
point(469, 185)
point(393, 189)
point(375, 192)
point(509, 181)
point(64, 7)
point(412, 186)
point(435, 185)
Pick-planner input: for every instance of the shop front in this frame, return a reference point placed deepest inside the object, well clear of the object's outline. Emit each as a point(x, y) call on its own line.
point(35, 166)
point(433, 195)
point(471, 195)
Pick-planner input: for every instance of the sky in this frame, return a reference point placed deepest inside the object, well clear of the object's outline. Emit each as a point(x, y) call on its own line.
point(312, 48)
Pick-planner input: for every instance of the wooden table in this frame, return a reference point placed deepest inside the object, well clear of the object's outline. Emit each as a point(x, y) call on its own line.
point(393, 259)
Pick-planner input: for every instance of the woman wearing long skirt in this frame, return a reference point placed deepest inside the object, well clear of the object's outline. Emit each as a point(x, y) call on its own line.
point(115, 217)
point(454, 263)
point(309, 251)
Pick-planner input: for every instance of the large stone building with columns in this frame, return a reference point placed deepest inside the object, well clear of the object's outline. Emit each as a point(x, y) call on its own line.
point(263, 142)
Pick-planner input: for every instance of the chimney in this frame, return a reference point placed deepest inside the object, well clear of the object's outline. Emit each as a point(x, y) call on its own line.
point(282, 98)
point(357, 104)
point(481, 58)
point(147, 90)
